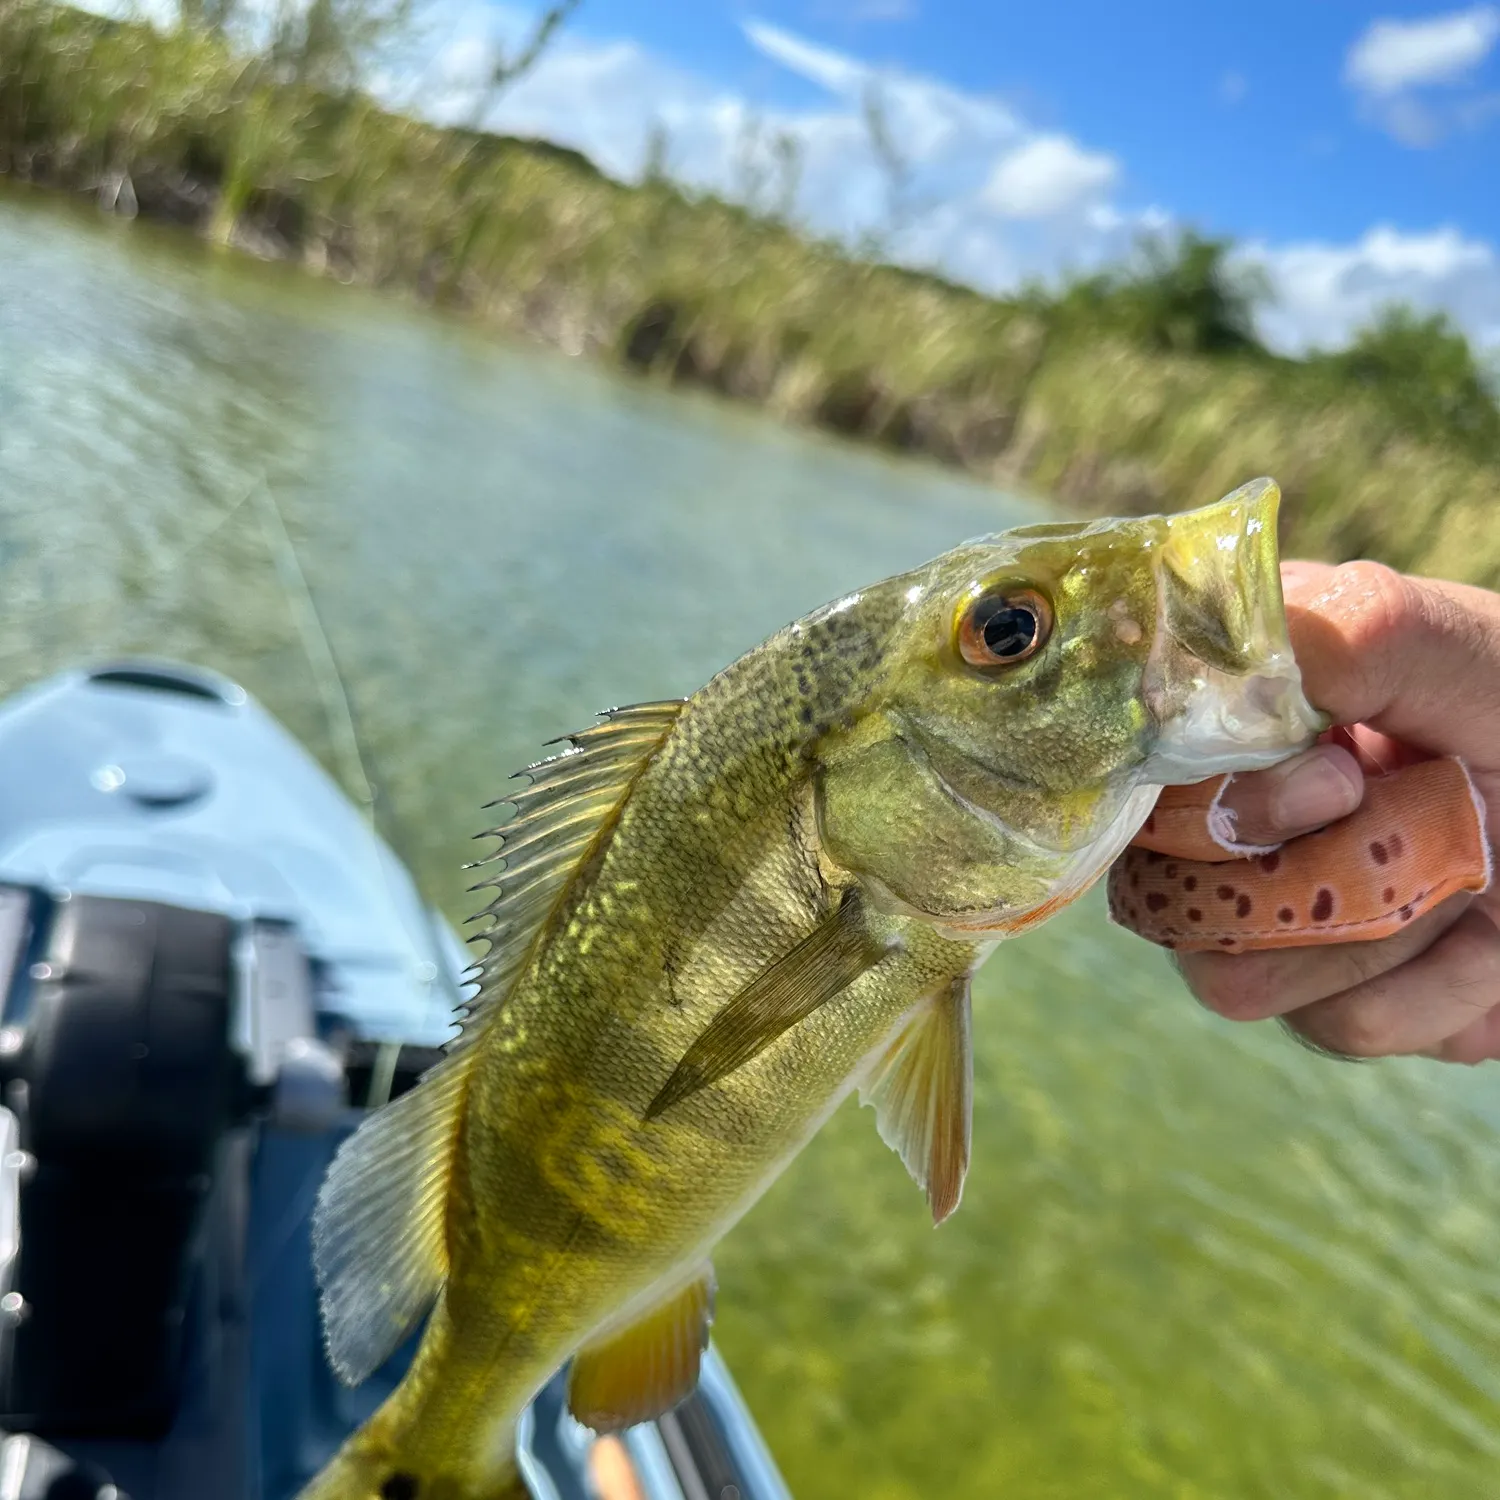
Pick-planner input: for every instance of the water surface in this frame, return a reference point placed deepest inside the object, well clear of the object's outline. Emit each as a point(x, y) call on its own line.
point(1192, 1260)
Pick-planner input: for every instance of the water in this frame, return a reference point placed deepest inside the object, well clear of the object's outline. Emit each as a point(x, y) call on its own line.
point(1192, 1261)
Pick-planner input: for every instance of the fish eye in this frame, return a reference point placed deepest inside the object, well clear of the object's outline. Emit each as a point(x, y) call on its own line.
point(1004, 627)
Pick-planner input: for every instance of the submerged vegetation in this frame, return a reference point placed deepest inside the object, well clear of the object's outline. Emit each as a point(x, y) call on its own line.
point(1138, 389)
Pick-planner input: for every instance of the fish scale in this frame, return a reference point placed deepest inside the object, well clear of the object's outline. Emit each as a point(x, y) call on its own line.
point(714, 919)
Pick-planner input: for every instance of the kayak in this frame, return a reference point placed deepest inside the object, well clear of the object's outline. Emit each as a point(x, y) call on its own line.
point(211, 966)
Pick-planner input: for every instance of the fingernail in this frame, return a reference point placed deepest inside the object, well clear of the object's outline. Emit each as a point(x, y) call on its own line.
point(1316, 788)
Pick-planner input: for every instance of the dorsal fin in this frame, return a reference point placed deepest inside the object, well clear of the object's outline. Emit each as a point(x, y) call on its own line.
point(561, 816)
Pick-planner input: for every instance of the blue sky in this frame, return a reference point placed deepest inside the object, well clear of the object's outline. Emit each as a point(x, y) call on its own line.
point(1352, 148)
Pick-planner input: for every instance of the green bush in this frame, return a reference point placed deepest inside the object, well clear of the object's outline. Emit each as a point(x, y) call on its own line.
point(1424, 372)
point(1181, 297)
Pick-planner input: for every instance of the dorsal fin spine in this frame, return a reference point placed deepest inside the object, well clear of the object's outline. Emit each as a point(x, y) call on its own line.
point(569, 808)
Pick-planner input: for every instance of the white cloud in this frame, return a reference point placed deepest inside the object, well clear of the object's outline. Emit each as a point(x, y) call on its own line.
point(1392, 56)
point(1048, 176)
point(868, 10)
point(1415, 78)
point(606, 98)
point(828, 69)
point(993, 201)
point(928, 116)
point(1324, 292)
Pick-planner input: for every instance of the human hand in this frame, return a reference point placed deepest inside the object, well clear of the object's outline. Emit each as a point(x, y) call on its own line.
point(1414, 665)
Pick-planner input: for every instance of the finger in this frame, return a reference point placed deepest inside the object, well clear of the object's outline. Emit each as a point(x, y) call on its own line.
point(1478, 1042)
point(1276, 981)
point(1300, 574)
point(1178, 826)
point(1218, 819)
point(1378, 754)
point(1415, 840)
point(1306, 792)
point(1415, 1006)
point(1416, 659)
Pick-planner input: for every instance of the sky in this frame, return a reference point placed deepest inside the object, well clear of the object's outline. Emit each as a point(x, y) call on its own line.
point(1352, 149)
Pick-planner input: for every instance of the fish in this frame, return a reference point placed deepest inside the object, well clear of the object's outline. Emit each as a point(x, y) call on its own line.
point(712, 919)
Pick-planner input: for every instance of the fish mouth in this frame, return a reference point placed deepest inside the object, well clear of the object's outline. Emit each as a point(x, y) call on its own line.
point(1222, 684)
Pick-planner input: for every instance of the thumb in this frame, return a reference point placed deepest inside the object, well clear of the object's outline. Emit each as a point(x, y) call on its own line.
point(1415, 658)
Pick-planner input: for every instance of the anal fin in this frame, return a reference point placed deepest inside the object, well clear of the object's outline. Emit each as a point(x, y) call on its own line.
point(922, 1090)
point(378, 1240)
point(632, 1373)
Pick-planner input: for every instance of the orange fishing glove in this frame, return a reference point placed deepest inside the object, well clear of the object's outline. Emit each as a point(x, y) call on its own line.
point(1416, 839)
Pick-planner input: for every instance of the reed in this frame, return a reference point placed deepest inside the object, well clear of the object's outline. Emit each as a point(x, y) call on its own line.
point(1136, 391)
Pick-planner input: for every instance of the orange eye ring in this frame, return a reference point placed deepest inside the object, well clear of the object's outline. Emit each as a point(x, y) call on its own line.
point(1004, 627)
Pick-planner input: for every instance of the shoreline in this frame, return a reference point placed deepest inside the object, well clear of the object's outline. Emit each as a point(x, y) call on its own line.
point(530, 239)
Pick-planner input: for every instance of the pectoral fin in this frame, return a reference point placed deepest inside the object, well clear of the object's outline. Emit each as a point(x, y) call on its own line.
point(922, 1092)
point(637, 1372)
point(824, 963)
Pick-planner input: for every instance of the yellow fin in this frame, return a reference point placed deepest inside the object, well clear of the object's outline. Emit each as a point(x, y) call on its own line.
point(571, 803)
point(922, 1090)
point(633, 1373)
point(378, 1242)
point(827, 961)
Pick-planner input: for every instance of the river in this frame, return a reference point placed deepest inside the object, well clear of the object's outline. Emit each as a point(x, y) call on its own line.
point(1192, 1260)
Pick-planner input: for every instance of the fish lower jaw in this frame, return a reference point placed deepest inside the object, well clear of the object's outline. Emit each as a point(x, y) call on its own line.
point(1234, 724)
point(992, 927)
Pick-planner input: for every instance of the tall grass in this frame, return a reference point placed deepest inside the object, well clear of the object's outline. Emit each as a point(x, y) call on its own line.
point(1140, 390)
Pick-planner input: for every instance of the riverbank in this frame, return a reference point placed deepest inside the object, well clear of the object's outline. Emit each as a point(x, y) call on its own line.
point(531, 239)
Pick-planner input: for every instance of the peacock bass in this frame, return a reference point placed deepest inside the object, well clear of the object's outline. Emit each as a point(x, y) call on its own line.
point(714, 918)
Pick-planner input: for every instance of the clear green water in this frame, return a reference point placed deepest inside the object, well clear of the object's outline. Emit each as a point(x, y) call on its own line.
point(1192, 1260)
